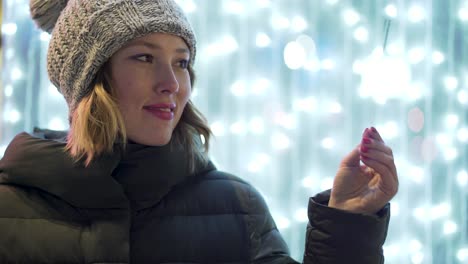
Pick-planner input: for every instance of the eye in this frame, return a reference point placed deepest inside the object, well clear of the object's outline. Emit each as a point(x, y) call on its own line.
point(144, 58)
point(184, 64)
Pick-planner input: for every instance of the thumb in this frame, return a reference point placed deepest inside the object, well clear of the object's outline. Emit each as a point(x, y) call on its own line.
point(352, 159)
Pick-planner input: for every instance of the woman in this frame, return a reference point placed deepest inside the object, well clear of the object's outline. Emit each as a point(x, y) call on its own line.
point(131, 182)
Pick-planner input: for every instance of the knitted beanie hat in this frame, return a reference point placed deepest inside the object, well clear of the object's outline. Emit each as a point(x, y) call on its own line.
point(86, 33)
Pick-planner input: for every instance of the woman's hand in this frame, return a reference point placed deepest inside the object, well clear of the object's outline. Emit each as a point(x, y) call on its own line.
point(365, 188)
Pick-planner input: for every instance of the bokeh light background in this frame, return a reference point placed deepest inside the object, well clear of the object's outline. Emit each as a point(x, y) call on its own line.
point(288, 87)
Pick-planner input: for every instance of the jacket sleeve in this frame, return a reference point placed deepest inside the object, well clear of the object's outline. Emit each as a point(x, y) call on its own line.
point(336, 236)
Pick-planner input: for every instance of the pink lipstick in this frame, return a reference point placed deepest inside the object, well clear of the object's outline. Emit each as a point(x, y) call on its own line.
point(161, 111)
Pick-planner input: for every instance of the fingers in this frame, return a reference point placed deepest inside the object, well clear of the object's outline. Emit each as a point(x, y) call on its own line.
point(389, 184)
point(372, 133)
point(352, 159)
point(377, 155)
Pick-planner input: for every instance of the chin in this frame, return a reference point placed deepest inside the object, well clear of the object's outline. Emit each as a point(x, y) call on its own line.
point(151, 141)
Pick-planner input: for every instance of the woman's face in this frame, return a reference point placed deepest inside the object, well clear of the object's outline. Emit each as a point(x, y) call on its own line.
point(152, 84)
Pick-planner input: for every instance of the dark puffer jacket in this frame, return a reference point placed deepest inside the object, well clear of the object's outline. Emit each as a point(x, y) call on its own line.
point(141, 206)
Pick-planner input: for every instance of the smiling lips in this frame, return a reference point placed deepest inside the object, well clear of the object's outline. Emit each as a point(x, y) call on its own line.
point(161, 111)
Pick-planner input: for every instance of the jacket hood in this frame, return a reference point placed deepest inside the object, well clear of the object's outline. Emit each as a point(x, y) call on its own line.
point(140, 174)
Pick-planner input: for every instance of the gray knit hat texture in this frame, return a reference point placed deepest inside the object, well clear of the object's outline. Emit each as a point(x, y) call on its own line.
point(86, 33)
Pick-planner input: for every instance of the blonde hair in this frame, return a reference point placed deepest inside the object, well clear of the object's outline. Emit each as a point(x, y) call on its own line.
point(97, 124)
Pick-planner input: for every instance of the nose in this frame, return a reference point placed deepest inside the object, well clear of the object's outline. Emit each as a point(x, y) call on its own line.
point(166, 81)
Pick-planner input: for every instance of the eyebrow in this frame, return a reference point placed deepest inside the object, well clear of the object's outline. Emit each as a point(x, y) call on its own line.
point(155, 46)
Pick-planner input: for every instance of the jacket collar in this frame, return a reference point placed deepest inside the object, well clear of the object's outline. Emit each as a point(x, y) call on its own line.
point(139, 174)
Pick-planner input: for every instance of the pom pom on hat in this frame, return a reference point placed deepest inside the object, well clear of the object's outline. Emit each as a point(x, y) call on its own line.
point(46, 12)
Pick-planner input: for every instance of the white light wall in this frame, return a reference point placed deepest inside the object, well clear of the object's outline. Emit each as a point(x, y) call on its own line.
point(288, 86)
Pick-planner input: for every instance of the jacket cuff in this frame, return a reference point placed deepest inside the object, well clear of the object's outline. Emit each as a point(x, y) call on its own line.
point(334, 233)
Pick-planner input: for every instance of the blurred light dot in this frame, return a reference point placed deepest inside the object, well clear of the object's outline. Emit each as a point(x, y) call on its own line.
point(416, 120)
point(450, 153)
point(351, 17)
point(416, 13)
point(415, 91)
point(224, 46)
point(301, 215)
point(45, 36)
point(462, 254)
point(395, 49)
point(462, 178)
point(298, 24)
point(2, 150)
point(9, 28)
point(279, 22)
point(54, 92)
point(328, 143)
point(463, 14)
point(307, 43)
point(195, 93)
point(391, 10)
point(443, 139)
point(312, 65)
point(416, 174)
point(326, 184)
point(263, 40)
point(257, 125)
point(420, 214)
point(12, 116)
point(294, 55)
point(308, 104)
point(384, 77)
point(428, 150)
point(335, 108)
point(328, 64)
point(462, 134)
point(308, 182)
point(238, 88)
point(361, 34)
point(280, 141)
point(260, 85)
point(258, 163)
point(416, 55)
point(450, 227)
point(9, 53)
point(395, 208)
point(332, 2)
point(358, 67)
point(451, 120)
point(263, 3)
point(238, 128)
point(218, 128)
point(234, 7)
point(462, 97)
point(439, 211)
point(389, 130)
point(202, 139)
point(285, 120)
point(415, 245)
point(16, 74)
point(57, 124)
point(451, 83)
point(8, 90)
point(392, 250)
point(188, 6)
point(417, 258)
point(282, 222)
point(438, 57)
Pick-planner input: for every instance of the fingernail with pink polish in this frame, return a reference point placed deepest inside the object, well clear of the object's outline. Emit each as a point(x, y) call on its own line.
point(364, 149)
